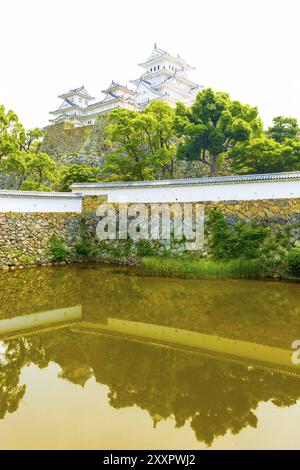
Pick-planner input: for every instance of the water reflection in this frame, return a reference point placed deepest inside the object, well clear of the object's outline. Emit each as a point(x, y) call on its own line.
point(213, 395)
point(174, 349)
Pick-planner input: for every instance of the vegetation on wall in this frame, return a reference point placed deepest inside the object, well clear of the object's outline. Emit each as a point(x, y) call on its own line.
point(57, 248)
point(242, 240)
point(293, 262)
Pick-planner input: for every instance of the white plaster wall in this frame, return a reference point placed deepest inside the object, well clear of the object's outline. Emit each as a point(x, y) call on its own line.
point(218, 192)
point(39, 204)
point(40, 320)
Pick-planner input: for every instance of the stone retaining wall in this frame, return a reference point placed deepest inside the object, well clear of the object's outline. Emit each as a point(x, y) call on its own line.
point(24, 237)
point(280, 215)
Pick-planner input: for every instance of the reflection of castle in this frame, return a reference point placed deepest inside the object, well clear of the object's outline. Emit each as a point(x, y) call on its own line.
point(164, 78)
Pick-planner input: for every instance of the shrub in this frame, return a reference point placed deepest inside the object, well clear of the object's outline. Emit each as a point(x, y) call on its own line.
point(107, 249)
point(57, 249)
point(246, 241)
point(239, 241)
point(219, 234)
point(144, 248)
point(293, 262)
point(126, 249)
point(83, 249)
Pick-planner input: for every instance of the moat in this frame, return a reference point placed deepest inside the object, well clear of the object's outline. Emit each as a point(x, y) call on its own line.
point(98, 357)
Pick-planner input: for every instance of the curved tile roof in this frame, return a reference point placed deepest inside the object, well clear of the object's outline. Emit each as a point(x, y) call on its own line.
point(195, 181)
point(38, 194)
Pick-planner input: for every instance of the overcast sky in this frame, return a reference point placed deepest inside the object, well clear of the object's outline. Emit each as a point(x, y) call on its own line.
point(249, 48)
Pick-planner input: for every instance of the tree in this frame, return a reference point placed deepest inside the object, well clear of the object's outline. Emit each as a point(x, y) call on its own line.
point(12, 134)
point(78, 174)
point(19, 154)
point(283, 128)
point(212, 126)
point(263, 155)
point(40, 169)
point(33, 170)
point(142, 144)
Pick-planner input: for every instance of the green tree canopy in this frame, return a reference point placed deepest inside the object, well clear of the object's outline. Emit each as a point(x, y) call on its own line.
point(19, 154)
point(12, 134)
point(283, 128)
point(78, 174)
point(142, 144)
point(212, 126)
point(263, 155)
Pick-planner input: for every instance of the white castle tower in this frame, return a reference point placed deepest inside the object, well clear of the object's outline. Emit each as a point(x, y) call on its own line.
point(164, 78)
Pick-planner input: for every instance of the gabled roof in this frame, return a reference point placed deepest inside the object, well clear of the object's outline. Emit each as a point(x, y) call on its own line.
point(81, 88)
point(80, 91)
point(67, 103)
point(148, 87)
point(114, 85)
point(172, 84)
point(62, 108)
point(159, 53)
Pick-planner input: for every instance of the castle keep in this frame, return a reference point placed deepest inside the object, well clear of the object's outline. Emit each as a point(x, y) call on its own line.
point(164, 78)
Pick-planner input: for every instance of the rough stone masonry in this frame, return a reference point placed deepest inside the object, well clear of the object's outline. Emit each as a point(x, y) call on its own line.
point(24, 237)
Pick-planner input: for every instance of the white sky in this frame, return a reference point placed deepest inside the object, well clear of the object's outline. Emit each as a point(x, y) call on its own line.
point(249, 48)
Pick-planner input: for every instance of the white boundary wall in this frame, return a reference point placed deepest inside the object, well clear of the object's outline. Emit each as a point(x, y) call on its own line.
point(23, 201)
point(280, 186)
point(201, 192)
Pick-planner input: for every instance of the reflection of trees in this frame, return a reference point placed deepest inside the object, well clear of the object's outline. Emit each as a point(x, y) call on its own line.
point(58, 347)
point(16, 355)
point(212, 395)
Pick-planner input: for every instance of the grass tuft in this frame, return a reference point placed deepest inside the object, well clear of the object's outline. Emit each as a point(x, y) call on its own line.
point(207, 269)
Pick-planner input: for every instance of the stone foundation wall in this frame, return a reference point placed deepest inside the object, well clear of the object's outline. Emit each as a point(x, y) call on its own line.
point(269, 210)
point(280, 215)
point(64, 139)
point(24, 237)
point(90, 203)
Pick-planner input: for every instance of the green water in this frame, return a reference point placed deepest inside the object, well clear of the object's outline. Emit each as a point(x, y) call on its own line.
point(99, 358)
